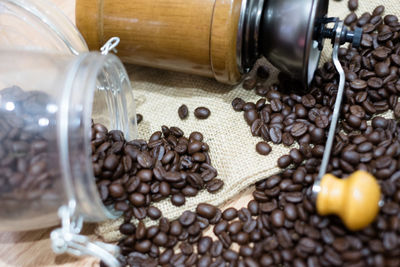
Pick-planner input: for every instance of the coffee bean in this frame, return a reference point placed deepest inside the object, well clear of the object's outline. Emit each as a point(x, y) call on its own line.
point(249, 83)
point(382, 69)
point(287, 139)
point(294, 197)
point(225, 239)
point(322, 121)
point(379, 122)
point(276, 105)
point(178, 200)
point(202, 113)
point(249, 106)
point(351, 18)
point(298, 129)
point(145, 160)
point(352, 4)
point(183, 112)
point(206, 210)
point(229, 214)
point(275, 135)
point(308, 101)
point(364, 19)
point(139, 118)
point(230, 255)
point(214, 185)
point(204, 245)
point(187, 218)
point(238, 104)
point(263, 148)
point(250, 116)
point(154, 213)
point(127, 229)
point(390, 19)
point(284, 161)
point(378, 10)
point(235, 227)
point(277, 218)
point(116, 190)
point(137, 199)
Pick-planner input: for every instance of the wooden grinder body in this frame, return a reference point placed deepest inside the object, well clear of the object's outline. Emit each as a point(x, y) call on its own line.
point(192, 36)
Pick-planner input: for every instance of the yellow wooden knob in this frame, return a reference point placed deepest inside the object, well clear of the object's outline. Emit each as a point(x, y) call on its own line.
point(354, 199)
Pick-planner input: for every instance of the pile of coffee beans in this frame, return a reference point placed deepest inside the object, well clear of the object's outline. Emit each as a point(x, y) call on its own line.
point(30, 181)
point(280, 226)
point(131, 175)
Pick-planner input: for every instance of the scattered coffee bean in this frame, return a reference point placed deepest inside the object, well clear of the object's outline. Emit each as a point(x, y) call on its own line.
point(263, 148)
point(353, 4)
point(183, 112)
point(249, 83)
point(202, 113)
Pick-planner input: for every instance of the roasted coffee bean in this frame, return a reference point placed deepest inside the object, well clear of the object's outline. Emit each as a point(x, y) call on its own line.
point(275, 134)
point(154, 213)
point(204, 245)
point(127, 229)
point(206, 210)
point(298, 129)
point(187, 218)
point(178, 199)
point(352, 5)
point(263, 148)
point(139, 118)
point(183, 112)
point(378, 10)
point(322, 121)
point(277, 218)
point(382, 69)
point(214, 185)
point(229, 214)
point(137, 199)
point(284, 161)
point(351, 18)
point(290, 211)
point(238, 104)
point(202, 113)
point(249, 83)
point(358, 84)
point(250, 116)
point(116, 190)
point(308, 101)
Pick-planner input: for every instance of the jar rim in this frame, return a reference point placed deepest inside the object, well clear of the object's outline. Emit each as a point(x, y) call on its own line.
point(76, 108)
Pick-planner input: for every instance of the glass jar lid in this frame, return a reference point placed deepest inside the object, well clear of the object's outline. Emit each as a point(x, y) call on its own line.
point(38, 25)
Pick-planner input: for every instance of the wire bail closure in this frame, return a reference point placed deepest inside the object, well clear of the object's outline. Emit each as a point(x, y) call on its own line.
point(110, 45)
point(67, 238)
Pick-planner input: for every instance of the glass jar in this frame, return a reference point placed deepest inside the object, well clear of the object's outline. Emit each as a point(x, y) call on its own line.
point(46, 111)
point(51, 88)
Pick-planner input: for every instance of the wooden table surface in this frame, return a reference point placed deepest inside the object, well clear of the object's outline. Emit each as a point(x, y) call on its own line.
point(33, 248)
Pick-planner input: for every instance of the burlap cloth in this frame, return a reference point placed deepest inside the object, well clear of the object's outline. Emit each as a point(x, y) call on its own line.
point(158, 95)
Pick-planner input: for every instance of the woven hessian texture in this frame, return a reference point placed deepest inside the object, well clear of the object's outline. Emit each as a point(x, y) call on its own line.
point(158, 95)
